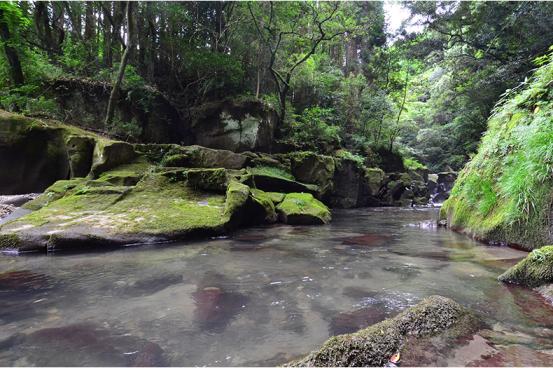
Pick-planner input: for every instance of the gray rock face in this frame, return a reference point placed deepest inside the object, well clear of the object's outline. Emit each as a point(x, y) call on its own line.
point(235, 125)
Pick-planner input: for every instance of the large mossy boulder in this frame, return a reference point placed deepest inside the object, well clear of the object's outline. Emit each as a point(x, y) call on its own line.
point(238, 125)
point(303, 209)
point(94, 213)
point(534, 270)
point(312, 168)
point(503, 195)
point(435, 317)
point(202, 157)
point(348, 183)
point(108, 155)
point(35, 153)
point(273, 179)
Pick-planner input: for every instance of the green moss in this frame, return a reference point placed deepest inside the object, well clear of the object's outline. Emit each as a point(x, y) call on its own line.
point(276, 197)
point(208, 179)
point(263, 200)
point(53, 193)
point(126, 174)
point(9, 240)
point(156, 206)
point(505, 192)
point(236, 197)
point(303, 208)
point(272, 171)
point(534, 270)
point(175, 160)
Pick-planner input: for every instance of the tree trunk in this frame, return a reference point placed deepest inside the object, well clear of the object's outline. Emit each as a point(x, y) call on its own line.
point(108, 52)
point(114, 96)
point(16, 73)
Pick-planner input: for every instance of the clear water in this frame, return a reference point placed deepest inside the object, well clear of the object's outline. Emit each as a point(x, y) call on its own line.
point(261, 297)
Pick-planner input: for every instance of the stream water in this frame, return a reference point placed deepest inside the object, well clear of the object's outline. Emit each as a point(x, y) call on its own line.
point(263, 296)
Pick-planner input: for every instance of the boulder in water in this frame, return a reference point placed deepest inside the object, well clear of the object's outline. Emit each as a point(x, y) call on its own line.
point(534, 270)
point(303, 209)
point(373, 346)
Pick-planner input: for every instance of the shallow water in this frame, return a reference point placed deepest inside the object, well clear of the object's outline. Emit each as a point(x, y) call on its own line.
point(263, 296)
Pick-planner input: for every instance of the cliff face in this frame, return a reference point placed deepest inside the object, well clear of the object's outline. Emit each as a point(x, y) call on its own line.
point(505, 193)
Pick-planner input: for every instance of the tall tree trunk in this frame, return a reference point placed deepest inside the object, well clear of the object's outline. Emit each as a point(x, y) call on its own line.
point(90, 34)
point(114, 96)
point(16, 73)
point(108, 52)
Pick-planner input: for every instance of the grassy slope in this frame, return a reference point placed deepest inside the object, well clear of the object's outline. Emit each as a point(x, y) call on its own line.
point(505, 192)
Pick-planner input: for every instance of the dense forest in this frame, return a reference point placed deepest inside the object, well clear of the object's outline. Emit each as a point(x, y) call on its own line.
point(336, 75)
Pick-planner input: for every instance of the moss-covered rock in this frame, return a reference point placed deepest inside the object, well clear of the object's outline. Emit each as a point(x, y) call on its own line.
point(80, 150)
point(263, 207)
point(504, 194)
point(312, 168)
point(276, 197)
point(272, 179)
point(90, 213)
point(237, 196)
point(32, 154)
point(303, 209)
point(534, 270)
point(109, 154)
point(374, 345)
point(208, 179)
point(202, 157)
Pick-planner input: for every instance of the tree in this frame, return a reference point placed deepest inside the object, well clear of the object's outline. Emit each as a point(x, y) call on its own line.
point(281, 27)
point(114, 96)
point(9, 14)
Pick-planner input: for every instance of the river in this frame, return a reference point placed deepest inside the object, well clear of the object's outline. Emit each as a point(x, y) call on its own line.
point(263, 296)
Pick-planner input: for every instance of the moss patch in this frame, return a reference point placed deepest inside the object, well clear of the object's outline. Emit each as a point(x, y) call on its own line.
point(303, 209)
point(208, 179)
point(264, 206)
point(505, 193)
point(276, 197)
point(9, 241)
point(534, 270)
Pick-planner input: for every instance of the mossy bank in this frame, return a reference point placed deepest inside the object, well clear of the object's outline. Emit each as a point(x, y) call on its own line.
point(505, 193)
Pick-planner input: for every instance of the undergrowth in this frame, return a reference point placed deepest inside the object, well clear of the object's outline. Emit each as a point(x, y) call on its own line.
point(505, 192)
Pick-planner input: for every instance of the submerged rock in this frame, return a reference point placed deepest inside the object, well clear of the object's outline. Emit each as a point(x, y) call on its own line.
point(534, 270)
point(86, 344)
point(373, 346)
point(349, 322)
point(216, 308)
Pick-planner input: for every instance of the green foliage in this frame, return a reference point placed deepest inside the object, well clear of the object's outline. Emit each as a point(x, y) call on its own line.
point(506, 190)
point(127, 130)
point(315, 130)
point(412, 164)
point(345, 154)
